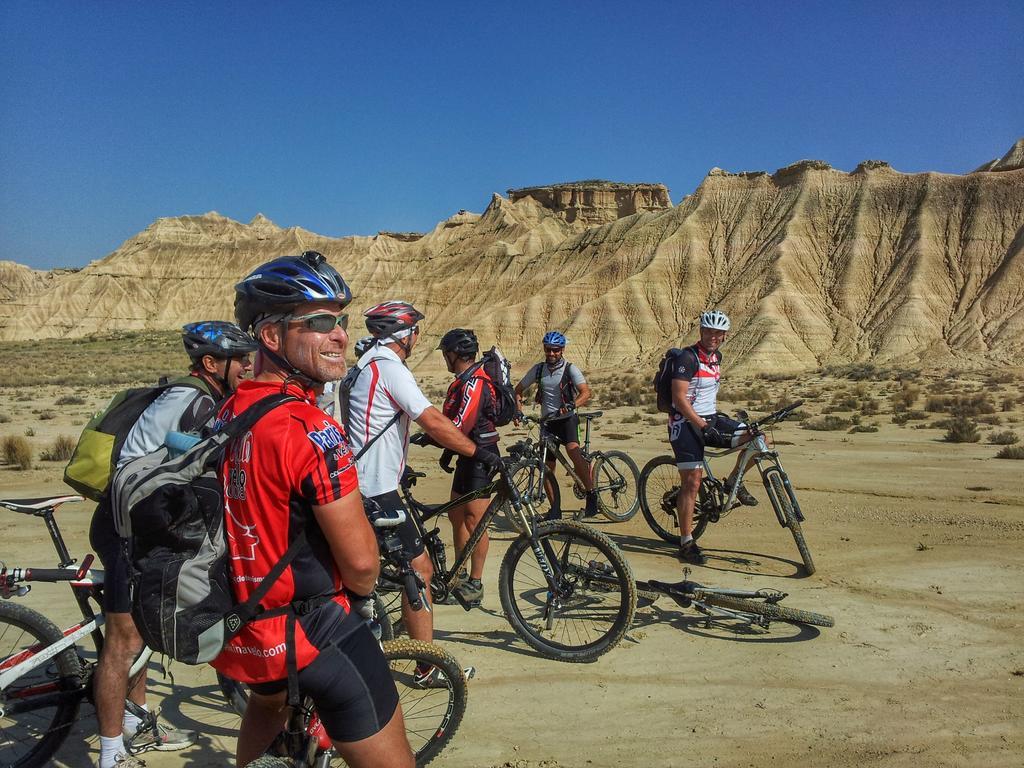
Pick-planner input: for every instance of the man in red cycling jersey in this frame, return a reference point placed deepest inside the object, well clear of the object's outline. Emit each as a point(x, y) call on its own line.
point(293, 476)
point(470, 405)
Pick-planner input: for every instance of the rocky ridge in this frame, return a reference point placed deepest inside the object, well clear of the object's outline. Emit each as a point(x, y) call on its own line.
point(816, 266)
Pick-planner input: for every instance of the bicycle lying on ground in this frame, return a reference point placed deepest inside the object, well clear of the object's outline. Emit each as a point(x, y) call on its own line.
point(659, 489)
point(44, 675)
point(565, 588)
point(756, 607)
point(614, 473)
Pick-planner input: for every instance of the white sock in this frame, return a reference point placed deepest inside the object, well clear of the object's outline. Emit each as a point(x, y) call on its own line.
point(684, 540)
point(110, 747)
point(131, 722)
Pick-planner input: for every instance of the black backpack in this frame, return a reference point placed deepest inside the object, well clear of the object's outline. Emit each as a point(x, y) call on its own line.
point(170, 511)
point(663, 378)
point(504, 406)
point(95, 457)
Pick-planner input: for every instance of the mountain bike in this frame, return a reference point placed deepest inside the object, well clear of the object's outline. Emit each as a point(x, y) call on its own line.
point(659, 489)
point(44, 675)
point(614, 473)
point(432, 715)
point(756, 607)
point(566, 589)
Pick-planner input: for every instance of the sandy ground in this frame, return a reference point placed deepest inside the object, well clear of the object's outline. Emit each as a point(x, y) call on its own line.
point(925, 666)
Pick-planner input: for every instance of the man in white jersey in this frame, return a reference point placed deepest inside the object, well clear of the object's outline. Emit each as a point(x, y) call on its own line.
point(383, 401)
point(220, 354)
point(694, 422)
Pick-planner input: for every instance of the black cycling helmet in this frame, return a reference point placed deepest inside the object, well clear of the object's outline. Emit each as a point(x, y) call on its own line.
point(364, 344)
point(216, 337)
point(391, 317)
point(461, 341)
point(284, 283)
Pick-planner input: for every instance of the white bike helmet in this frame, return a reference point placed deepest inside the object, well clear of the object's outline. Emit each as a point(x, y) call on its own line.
point(715, 319)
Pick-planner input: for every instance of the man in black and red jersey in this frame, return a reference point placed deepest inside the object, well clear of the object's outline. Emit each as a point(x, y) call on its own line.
point(470, 404)
point(694, 422)
point(292, 476)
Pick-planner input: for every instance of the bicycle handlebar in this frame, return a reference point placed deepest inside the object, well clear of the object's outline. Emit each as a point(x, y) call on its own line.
point(780, 415)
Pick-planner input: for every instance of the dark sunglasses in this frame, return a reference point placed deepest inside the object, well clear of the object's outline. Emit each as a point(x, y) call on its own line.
point(548, 350)
point(322, 322)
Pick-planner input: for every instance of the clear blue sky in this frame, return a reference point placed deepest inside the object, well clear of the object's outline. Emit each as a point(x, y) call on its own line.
point(347, 118)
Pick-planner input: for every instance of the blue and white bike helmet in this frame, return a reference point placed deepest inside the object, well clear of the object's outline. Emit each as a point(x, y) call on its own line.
point(554, 339)
point(217, 338)
point(282, 284)
point(364, 344)
point(714, 319)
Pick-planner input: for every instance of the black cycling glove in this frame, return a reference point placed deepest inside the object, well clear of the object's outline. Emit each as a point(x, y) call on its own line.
point(445, 461)
point(713, 437)
point(488, 458)
point(421, 439)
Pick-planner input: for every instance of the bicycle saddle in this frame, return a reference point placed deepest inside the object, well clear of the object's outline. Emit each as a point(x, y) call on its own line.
point(591, 415)
point(31, 506)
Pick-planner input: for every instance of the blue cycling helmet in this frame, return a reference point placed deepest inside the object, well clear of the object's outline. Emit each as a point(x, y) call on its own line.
point(554, 339)
point(280, 285)
point(217, 338)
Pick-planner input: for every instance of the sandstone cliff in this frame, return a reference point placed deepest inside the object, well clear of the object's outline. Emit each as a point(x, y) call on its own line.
point(596, 202)
point(814, 265)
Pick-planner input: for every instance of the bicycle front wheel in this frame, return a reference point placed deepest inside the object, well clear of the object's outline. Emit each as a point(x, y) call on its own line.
point(593, 600)
point(432, 715)
point(36, 716)
point(615, 480)
point(768, 610)
point(781, 495)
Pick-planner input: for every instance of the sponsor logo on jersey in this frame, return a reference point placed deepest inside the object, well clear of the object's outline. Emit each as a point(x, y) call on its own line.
point(327, 439)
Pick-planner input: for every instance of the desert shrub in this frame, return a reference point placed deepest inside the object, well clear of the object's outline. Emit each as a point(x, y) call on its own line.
point(974, 404)
point(47, 415)
point(4, 418)
point(632, 418)
point(749, 395)
point(862, 428)
point(1001, 377)
point(1007, 404)
point(869, 406)
point(855, 372)
point(778, 376)
point(905, 397)
point(905, 416)
point(826, 423)
point(652, 422)
point(60, 449)
point(30, 432)
point(70, 400)
point(1003, 438)
point(23, 397)
point(990, 418)
point(936, 403)
point(841, 402)
point(17, 451)
point(1011, 452)
point(962, 430)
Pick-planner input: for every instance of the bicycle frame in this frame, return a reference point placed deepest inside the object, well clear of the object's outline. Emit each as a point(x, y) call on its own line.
point(766, 460)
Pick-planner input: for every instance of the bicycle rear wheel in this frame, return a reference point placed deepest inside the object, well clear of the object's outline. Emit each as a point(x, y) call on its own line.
point(768, 610)
point(658, 491)
point(35, 718)
point(530, 481)
point(777, 490)
point(615, 479)
point(595, 597)
point(432, 715)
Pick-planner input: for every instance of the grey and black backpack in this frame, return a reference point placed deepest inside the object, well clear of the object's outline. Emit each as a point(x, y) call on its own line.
point(170, 514)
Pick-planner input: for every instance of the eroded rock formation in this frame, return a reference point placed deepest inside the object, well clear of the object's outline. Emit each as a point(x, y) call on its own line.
point(814, 265)
point(596, 202)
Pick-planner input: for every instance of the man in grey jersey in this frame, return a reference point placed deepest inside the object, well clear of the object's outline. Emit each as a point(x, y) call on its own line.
point(561, 389)
point(220, 358)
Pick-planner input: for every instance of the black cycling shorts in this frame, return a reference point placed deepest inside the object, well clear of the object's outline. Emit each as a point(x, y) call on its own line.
point(471, 475)
point(688, 443)
point(350, 684)
point(109, 547)
point(407, 531)
point(565, 430)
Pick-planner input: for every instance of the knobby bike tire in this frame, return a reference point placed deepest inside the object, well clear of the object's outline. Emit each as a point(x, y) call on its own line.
point(270, 761)
point(612, 467)
point(658, 489)
point(527, 477)
point(768, 610)
point(237, 694)
point(44, 729)
point(432, 715)
point(792, 523)
point(596, 584)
